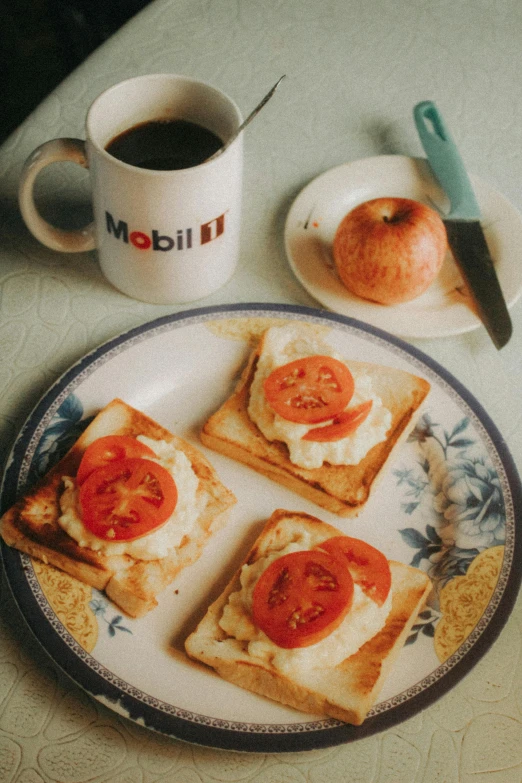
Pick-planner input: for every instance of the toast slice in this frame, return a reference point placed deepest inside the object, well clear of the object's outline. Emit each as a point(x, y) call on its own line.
point(341, 489)
point(345, 691)
point(31, 525)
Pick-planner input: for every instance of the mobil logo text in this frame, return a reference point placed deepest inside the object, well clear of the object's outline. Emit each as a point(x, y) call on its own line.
point(184, 238)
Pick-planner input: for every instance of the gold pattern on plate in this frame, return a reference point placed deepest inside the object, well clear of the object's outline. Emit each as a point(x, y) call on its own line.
point(464, 599)
point(69, 599)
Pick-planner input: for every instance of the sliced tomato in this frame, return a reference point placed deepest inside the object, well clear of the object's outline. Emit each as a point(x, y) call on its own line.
point(342, 425)
point(309, 390)
point(107, 449)
point(301, 597)
point(368, 566)
point(127, 499)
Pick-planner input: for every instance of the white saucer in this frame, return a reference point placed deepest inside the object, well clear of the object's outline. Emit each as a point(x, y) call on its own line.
point(444, 309)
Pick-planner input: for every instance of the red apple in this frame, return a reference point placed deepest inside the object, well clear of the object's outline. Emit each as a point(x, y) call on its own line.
point(389, 249)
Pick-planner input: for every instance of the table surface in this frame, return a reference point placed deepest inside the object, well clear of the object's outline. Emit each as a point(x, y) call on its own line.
point(354, 71)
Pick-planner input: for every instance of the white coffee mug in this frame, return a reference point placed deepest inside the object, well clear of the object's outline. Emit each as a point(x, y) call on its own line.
point(165, 237)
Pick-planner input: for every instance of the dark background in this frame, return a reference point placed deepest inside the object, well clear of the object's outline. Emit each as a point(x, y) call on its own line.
point(42, 41)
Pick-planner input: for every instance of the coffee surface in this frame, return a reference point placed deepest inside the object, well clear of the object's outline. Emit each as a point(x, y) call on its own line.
point(164, 145)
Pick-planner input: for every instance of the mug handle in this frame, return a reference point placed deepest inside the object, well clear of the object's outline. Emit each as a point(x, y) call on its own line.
point(54, 151)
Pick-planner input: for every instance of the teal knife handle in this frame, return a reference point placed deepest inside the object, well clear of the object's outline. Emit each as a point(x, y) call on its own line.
point(445, 161)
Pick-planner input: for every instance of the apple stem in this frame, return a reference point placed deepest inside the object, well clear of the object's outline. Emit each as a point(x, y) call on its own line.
point(396, 218)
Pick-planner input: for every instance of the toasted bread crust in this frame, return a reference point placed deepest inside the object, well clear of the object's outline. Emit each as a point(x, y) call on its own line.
point(341, 489)
point(346, 691)
point(31, 525)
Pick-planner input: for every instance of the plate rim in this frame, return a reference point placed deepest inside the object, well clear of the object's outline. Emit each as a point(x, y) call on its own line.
point(219, 736)
point(324, 300)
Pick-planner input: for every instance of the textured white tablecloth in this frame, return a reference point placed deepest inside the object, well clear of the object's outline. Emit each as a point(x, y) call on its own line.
point(354, 71)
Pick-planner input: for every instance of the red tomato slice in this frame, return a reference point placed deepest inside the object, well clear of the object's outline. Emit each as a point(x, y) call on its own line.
point(302, 597)
point(309, 390)
point(107, 449)
point(127, 499)
point(368, 566)
point(342, 425)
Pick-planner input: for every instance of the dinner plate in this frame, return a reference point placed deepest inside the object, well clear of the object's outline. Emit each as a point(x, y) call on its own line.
point(444, 309)
point(447, 504)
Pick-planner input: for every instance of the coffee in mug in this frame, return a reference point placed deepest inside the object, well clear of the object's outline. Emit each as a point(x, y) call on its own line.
point(166, 218)
point(165, 145)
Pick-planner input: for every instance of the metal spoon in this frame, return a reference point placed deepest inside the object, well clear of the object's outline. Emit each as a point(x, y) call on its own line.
point(248, 119)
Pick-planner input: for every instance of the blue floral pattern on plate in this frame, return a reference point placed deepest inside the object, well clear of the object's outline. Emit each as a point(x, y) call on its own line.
point(466, 499)
point(458, 488)
point(99, 607)
point(65, 428)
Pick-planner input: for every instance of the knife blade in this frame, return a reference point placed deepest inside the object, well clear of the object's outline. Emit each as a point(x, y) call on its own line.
point(465, 234)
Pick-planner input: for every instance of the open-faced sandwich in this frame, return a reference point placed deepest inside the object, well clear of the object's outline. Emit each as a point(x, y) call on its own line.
point(313, 619)
point(125, 509)
point(321, 425)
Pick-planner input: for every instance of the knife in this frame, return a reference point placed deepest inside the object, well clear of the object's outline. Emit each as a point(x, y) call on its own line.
point(465, 235)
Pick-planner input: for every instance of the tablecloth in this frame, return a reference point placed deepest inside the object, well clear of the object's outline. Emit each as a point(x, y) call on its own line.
point(354, 71)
